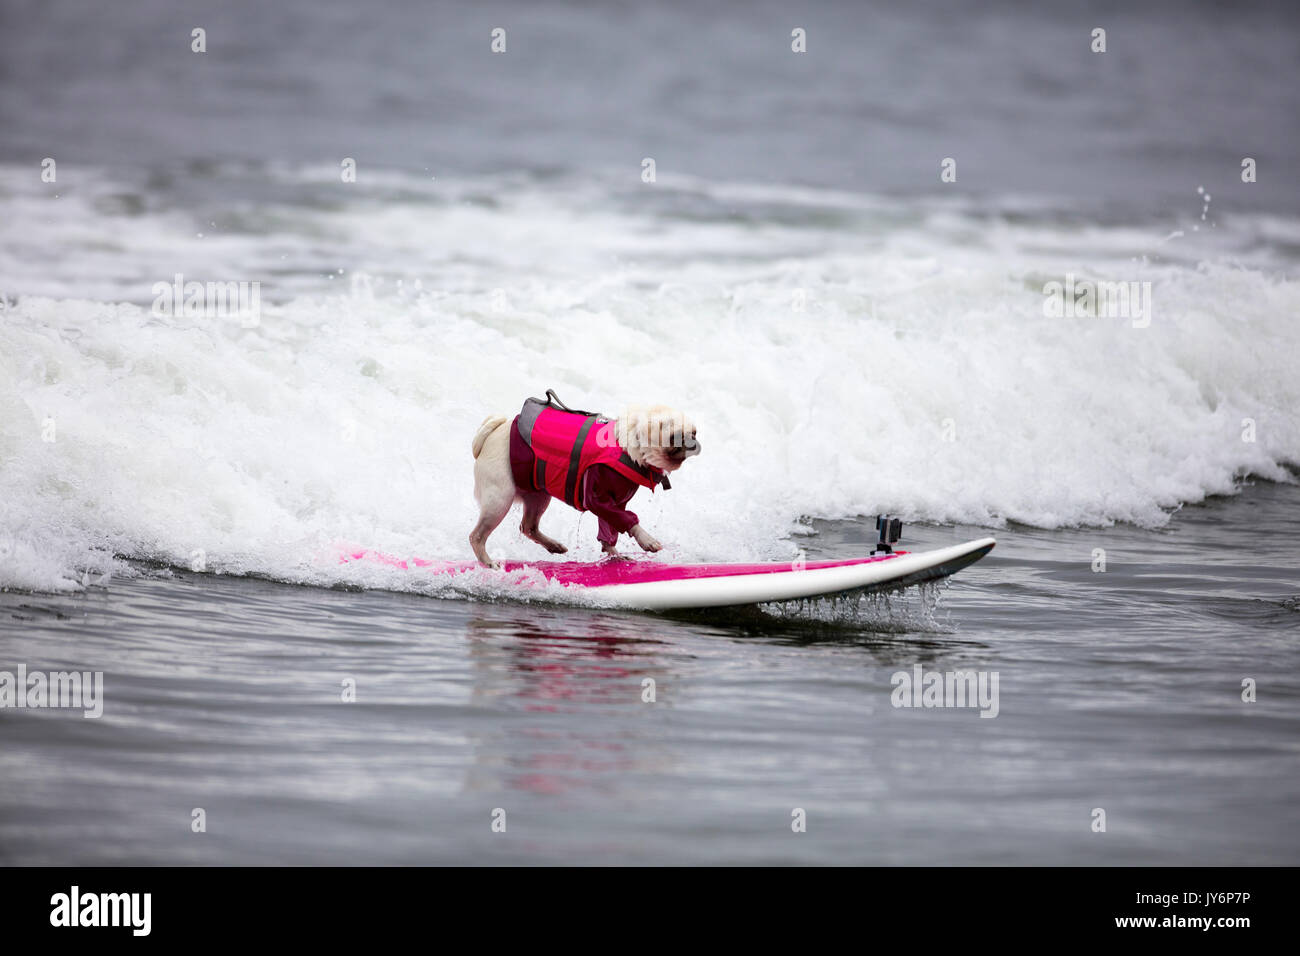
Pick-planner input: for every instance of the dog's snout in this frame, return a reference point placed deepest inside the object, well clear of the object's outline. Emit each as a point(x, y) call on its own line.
point(681, 444)
point(686, 447)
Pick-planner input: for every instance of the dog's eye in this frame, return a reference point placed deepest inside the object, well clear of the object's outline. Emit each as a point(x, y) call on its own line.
point(679, 440)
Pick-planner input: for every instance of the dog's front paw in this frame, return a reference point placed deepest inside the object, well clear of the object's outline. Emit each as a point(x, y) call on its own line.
point(556, 548)
point(645, 539)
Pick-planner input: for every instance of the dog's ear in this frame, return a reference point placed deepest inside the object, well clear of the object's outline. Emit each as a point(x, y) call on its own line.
point(633, 428)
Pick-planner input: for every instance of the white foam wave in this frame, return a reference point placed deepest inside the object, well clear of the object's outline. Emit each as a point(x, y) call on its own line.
point(841, 358)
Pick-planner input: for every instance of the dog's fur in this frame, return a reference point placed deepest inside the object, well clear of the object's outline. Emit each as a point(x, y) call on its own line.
point(645, 433)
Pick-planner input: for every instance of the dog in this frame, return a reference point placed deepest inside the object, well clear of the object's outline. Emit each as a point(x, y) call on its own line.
point(590, 462)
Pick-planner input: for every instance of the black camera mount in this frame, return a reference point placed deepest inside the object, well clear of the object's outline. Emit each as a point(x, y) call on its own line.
point(891, 529)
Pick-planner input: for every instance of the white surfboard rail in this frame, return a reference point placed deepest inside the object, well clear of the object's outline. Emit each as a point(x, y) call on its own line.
point(728, 590)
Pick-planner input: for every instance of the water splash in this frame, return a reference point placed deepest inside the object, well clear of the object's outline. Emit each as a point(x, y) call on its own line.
point(906, 611)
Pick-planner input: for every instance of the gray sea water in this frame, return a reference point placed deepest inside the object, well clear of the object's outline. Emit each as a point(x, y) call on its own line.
point(852, 335)
point(1119, 690)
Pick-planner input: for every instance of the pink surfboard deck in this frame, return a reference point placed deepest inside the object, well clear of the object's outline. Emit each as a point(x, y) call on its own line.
point(655, 585)
point(597, 574)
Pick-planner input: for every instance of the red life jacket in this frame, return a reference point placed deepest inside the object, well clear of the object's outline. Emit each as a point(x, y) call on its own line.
point(567, 443)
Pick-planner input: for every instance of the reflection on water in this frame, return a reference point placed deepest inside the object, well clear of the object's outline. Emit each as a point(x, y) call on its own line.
point(549, 664)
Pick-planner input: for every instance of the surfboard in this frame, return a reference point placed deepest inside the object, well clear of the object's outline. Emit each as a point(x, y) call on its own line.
point(656, 586)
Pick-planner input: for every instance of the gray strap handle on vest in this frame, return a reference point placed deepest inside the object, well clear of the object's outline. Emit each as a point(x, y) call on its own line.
point(553, 401)
point(534, 407)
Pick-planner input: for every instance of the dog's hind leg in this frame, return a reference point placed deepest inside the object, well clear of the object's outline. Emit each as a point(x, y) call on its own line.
point(492, 509)
point(494, 486)
point(535, 503)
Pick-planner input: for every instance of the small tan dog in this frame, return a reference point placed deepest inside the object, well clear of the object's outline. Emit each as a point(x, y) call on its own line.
point(586, 460)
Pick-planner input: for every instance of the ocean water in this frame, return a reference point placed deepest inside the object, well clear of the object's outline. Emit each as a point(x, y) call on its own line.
point(851, 334)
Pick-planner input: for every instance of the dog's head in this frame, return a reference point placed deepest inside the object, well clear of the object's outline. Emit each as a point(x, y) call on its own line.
point(657, 435)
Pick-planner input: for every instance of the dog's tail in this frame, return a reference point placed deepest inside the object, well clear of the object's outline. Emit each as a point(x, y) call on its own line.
point(490, 424)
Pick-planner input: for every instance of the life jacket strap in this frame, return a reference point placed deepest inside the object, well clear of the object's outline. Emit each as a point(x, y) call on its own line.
point(649, 474)
point(553, 401)
point(575, 461)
